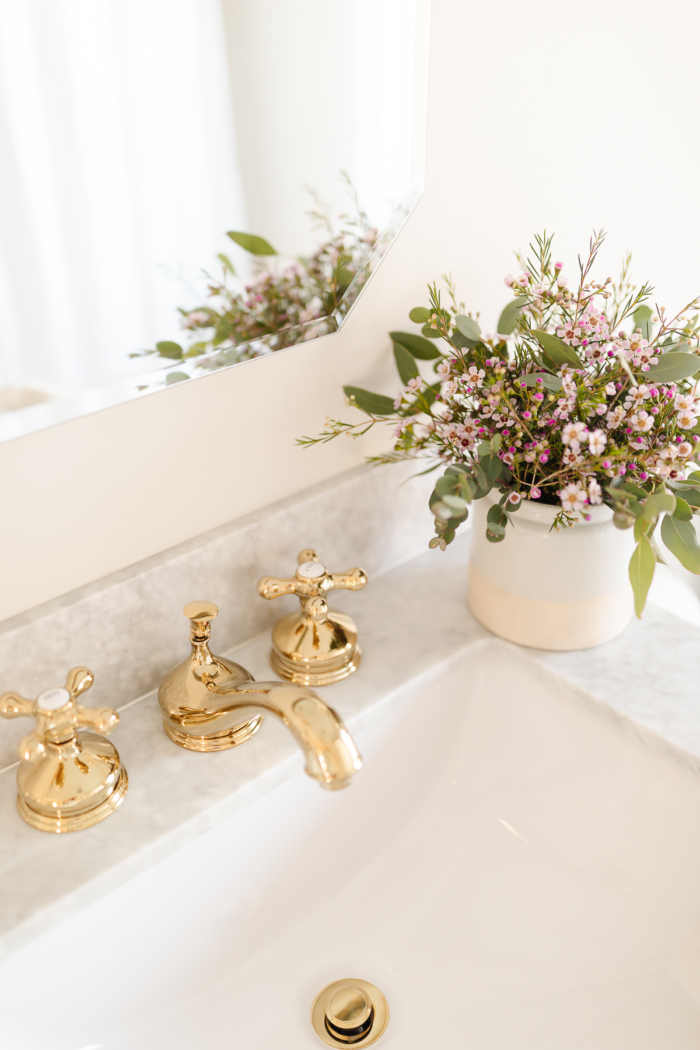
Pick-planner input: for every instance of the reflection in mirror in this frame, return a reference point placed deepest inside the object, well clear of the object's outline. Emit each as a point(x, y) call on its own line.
point(145, 141)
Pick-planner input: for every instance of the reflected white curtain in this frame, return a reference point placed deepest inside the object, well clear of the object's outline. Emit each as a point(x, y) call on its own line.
point(116, 156)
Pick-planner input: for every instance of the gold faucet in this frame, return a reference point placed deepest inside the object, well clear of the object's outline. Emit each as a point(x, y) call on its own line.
point(315, 646)
point(201, 700)
point(68, 778)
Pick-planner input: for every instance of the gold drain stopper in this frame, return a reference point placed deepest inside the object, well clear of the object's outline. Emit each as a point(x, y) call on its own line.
point(349, 1013)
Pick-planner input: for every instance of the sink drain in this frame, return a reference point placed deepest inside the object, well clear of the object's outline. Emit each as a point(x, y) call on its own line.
point(349, 1013)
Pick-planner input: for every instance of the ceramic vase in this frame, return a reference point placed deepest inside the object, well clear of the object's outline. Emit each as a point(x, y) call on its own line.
point(548, 589)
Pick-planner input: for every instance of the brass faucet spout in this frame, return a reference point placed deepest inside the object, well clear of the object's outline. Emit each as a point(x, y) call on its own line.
point(331, 756)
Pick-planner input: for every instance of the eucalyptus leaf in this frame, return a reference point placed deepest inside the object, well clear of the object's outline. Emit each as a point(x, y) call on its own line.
point(251, 243)
point(176, 377)
point(374, 404)
point(497, 516)
point(440, 510)
point(495, 533)
point(557, 350)
point(170, 350)
point(632, 490)
point(226, 262)
point(416, 345)
point(509, 317)
point(406, 364)
point(419, 314)
point(461, 340)
point(455, 503)
point(654, 506)
point(548, 381)
point(223, 332)
point(640, 526)
point(673, 366)
point(641, 573)
point(430, 333)
point(642, 320)
point(683, 510)
point(681, 539)
point(427, 396)
point(447, 485)
point(692, 497)
point(491, 468)
point(468, 327)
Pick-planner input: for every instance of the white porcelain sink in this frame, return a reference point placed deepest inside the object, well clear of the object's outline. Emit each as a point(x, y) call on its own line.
point(513, 871)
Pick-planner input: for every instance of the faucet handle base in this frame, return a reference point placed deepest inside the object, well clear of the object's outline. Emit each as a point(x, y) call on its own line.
point(72, 806)
point(222, 741)
point(283, 668)
point(310, 653)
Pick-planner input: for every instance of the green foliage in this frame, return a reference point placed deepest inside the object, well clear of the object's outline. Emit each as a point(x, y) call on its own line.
point(548, 381)
point(469, 328)
point(641, 573)
point(226, 263)
point(176, 377)
point(683, 511)
point(416, 345)
point(673, 366)
point(251, 243)
point(405, 363)
point(419, 315)
point(681, 539)
point(373, 404)
point(170, 350)
point(558, 352)
point(509, 317)
point(642, 319)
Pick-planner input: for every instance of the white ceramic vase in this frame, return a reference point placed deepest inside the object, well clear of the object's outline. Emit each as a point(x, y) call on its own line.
point(551, 590)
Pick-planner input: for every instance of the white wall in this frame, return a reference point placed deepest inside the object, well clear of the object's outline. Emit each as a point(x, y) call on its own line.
point(320, 86)
point(547, 113)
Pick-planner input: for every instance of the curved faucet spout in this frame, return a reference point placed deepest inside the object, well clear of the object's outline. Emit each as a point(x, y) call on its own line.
point(331, 756)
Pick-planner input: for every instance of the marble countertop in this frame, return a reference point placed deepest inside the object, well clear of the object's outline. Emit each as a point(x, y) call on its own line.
point(412, 621)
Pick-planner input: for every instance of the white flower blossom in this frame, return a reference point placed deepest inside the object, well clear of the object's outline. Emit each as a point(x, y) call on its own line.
point(572, 498)
point(686, 420)
point(573, 434)
point(597, 440)
point(595, 493)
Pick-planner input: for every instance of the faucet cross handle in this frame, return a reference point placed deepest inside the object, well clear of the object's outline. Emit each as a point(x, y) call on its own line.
point(311, 583)
point(67, 779)
point(316, 646)
point(58, 714)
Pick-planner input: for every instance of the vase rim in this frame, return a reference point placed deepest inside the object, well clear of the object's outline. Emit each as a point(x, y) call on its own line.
point(545, 513)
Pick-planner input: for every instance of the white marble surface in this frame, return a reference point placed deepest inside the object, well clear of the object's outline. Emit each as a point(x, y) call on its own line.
point(128, 628)
point(412, 621)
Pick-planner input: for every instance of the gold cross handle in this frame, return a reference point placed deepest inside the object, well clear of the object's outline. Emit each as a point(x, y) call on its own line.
point(311, 583)
point(66, 780)
point(58, 714)
point(316, 646)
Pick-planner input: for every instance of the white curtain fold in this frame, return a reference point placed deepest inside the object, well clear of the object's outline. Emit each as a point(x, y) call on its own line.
point(117, 156)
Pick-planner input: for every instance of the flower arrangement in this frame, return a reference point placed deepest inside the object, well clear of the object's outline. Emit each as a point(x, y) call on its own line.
point(581, 397)
point(285, 302)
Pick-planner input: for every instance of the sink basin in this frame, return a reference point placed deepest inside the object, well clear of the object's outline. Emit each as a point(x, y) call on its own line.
point(513, 871)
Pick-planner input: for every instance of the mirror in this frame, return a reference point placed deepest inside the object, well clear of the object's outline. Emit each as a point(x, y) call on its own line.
point(138, 134)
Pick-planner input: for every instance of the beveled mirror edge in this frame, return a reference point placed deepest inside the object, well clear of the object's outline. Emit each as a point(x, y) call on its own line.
point(47, 414)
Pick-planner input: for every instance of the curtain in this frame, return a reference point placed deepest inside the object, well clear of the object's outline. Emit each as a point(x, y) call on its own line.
point(118, 178)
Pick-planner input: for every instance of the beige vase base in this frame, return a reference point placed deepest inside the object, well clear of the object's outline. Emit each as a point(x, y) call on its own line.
point(561, 626)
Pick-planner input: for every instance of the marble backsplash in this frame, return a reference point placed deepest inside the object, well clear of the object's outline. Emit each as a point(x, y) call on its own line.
point(128, 628)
